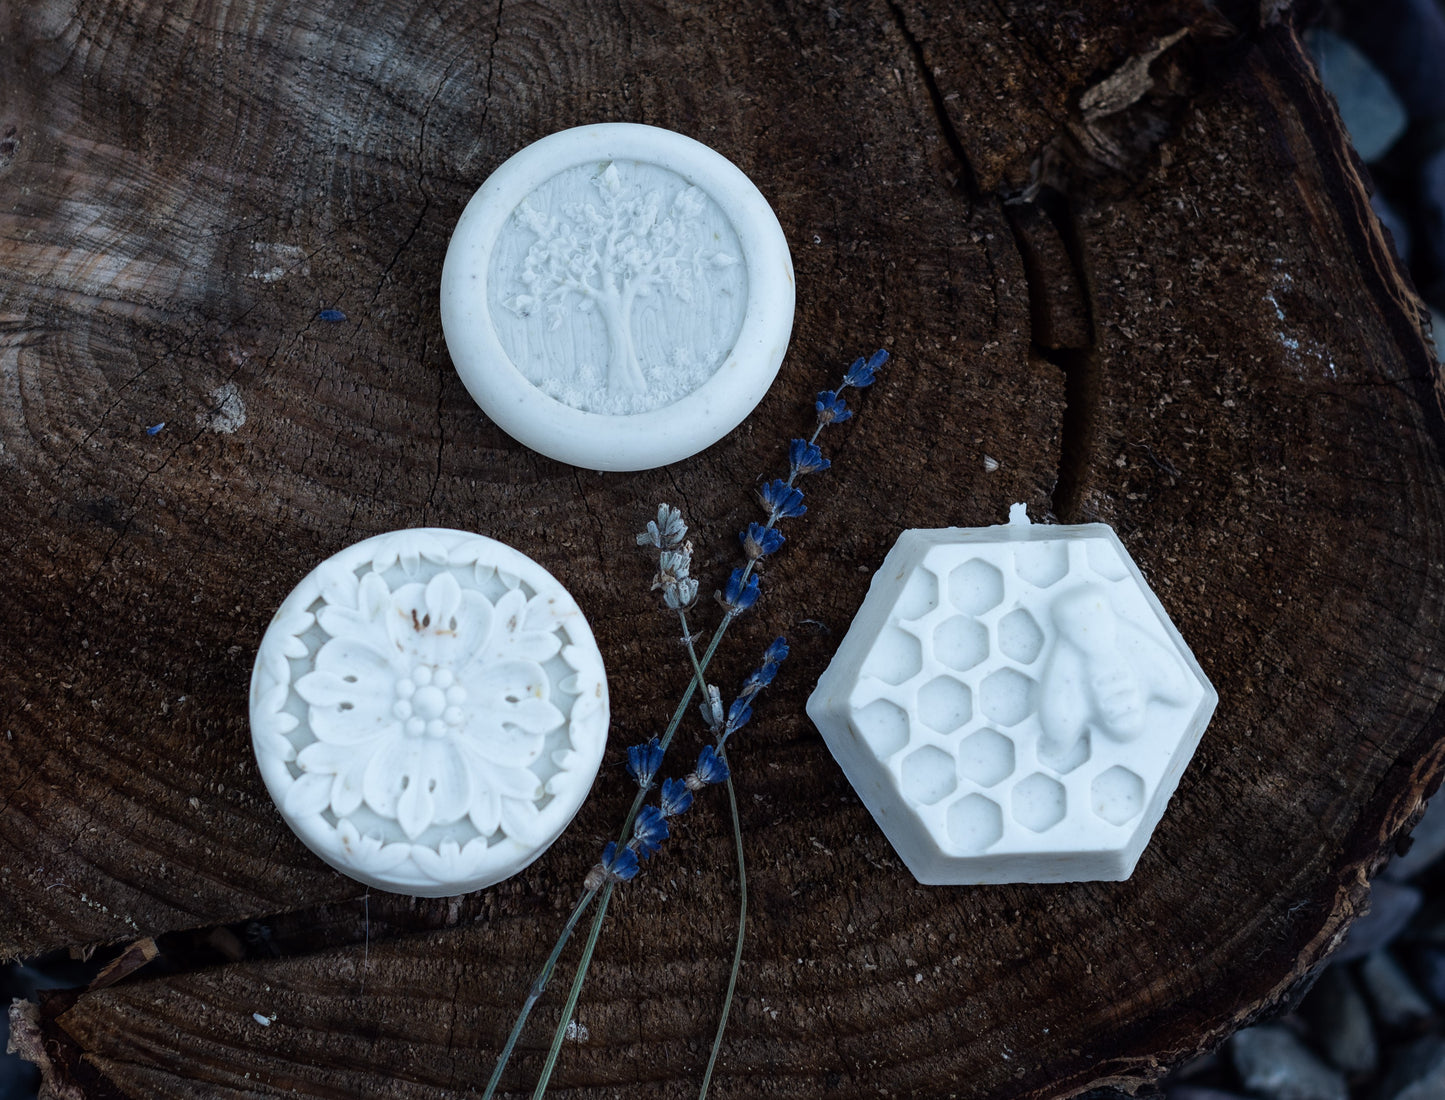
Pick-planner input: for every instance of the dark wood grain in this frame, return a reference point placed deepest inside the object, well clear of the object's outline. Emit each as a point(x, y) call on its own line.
point(1177, 316)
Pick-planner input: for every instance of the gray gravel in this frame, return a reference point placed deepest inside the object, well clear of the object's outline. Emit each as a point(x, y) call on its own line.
point(1272, 1063)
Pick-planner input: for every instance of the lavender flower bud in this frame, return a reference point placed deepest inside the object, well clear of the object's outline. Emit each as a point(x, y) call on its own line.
point(759, 541)
point(861, 374)
point(619, 864)
point(806, 458)
point(711, 768)
point(665, 532)
point(781, 500)
point(741, 592)
point(712, 709)
point(643, 762)
point(831, 408)
point(648, 831)
point(676, 797)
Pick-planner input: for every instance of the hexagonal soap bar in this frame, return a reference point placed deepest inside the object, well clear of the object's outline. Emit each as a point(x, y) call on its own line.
point(1013, 704)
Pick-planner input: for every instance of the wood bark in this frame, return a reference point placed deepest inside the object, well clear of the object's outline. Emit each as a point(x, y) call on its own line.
point(1124, 252)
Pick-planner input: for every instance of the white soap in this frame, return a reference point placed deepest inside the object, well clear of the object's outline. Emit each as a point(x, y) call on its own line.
point(428, 710)
point(617, 296)
point(1013, 704)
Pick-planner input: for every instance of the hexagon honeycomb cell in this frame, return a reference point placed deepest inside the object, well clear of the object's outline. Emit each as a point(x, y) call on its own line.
point(986, 757)
point(1013, 704)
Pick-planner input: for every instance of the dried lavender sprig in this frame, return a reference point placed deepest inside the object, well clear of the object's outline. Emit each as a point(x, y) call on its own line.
point(668, 532)
point(643, 762)
point(648, 832)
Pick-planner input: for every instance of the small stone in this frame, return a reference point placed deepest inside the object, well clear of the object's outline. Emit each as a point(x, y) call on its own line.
point(1427, 841)
point(1399, 229)
point(1429, 972)
point(1339, 1020)
point(1417, 1072)
point(1195, 1067)
point(1391, 907)
point(1397, 1002)
point(1277, 1066)
point(1369, 108)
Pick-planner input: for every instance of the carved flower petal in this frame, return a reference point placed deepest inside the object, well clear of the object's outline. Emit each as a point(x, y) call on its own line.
point(451, 788)
point(381, 783)
point(511, 611)
point(366, 620)
point(486, 811)
point(361, 661)
point(344, 713)
point(443, 597)
point(443, 864)
point(338, 586)
point(413, 633)
point(498, 744)
point(547, 612)
point(367, 853)
point(536, 645)
point(324, 758)
point(522, 822)
point(415, 810)
point(519, 783)
point(346, 791)
point(501, 685)
point(474, 625)
point(402, 776)
point(323, 689)
point(310, 794)
point(273, 744)
point(534, 716)
point(356, 726)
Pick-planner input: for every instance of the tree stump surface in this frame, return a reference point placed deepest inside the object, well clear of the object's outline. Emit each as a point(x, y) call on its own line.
point(1124, 252)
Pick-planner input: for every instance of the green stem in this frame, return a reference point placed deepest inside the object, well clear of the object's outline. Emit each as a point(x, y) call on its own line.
point(573, 993)
point(538, 987)
point(738, 946)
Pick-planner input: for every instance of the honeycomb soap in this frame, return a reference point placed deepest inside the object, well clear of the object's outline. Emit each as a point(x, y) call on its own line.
point(1013, 704)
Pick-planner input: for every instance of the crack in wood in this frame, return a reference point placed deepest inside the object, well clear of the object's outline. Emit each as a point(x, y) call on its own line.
point(967, 179)
point(1064, 332)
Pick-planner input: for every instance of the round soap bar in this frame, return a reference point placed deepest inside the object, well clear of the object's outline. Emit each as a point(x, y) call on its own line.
point(428, 710)
point(617, 296)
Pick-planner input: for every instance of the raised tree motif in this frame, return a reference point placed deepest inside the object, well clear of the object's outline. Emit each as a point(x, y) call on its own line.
point(604, 256)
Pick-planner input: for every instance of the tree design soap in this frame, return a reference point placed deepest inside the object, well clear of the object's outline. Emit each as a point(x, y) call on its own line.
point(428, 710)
point(617, 296)
point(1013, 704)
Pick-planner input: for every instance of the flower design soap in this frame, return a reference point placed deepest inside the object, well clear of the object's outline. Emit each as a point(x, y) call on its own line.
point(617, 296)
point(428, 710)
point(1013, 704)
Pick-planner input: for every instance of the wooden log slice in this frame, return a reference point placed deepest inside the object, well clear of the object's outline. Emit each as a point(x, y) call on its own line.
point(1124, 253)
